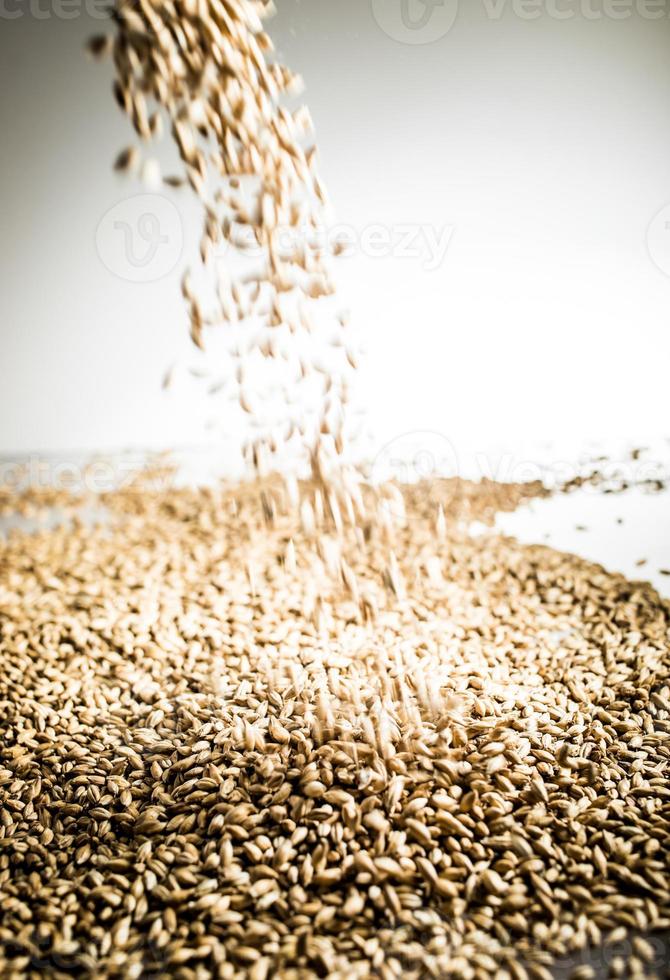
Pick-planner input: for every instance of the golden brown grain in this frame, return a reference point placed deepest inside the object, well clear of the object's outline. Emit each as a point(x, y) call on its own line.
point(219, 759)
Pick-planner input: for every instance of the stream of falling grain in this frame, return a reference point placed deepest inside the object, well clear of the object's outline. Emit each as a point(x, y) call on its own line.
point(205, 70)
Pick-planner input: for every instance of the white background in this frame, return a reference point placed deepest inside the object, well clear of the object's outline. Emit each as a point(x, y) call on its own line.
point(543, 145)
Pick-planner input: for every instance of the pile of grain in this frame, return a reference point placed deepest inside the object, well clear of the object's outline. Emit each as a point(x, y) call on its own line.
point(205, 68)
point(293, 732)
